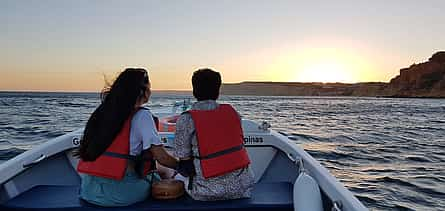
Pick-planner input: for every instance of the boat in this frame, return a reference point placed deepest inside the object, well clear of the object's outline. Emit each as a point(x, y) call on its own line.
point(286, 178)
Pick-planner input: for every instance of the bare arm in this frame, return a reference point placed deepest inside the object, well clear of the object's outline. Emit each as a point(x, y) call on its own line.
point(163, 157)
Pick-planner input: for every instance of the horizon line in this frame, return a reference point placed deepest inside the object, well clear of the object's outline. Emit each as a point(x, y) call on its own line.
point(186, 90)
point(86, 92)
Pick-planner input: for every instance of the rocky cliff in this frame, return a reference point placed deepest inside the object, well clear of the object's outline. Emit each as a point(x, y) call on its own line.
point(419, 80)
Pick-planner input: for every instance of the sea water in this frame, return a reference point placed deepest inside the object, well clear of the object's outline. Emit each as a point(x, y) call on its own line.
point(389, 152)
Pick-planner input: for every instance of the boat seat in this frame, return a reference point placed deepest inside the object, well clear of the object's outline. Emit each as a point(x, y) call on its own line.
point(265, 196)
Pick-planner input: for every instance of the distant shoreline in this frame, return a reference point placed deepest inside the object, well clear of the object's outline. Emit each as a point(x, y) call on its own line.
point(190, 93)
point(423, 80)
point(86, 92)
point(318, 89)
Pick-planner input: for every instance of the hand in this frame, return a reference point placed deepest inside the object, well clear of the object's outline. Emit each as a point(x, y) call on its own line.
point(186, 168)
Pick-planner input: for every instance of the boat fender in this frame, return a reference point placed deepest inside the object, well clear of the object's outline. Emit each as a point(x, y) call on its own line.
point(307, 196)
point(167, 189)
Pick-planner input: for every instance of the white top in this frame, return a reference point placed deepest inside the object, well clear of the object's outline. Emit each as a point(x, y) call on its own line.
point(143, 132)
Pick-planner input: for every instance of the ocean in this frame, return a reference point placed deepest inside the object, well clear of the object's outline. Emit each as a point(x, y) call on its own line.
point(389, 152)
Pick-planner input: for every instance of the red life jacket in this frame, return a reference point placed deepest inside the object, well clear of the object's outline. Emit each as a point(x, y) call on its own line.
point(220, 140)
point(112, 163)
point(168, 124)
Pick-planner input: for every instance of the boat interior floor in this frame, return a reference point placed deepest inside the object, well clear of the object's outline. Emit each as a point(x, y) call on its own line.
point(265, 196)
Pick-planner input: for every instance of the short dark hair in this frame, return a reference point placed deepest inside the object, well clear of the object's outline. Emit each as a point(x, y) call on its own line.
point(206, 84)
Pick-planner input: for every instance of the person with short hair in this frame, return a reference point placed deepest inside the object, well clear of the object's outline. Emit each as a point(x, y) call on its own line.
point(209, 143)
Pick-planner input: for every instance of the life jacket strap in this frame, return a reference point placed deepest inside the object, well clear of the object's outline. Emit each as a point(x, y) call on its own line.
point(123, 156)
point(222, 152)
point(190, 186)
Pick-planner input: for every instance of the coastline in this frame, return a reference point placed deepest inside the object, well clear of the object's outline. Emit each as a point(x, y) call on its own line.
point(367, 89)
point(169, 92)
point(423, 80)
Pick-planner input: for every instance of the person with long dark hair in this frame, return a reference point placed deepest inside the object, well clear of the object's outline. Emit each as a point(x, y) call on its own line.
point(120, 144)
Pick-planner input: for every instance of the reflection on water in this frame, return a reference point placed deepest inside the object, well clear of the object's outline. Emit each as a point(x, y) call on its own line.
point(389, 152)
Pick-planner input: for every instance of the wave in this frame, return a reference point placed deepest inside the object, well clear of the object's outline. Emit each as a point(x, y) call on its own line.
point(419, 188)
point(366, 199)
point(418, 159)
point(6, 154)
point(76, 105)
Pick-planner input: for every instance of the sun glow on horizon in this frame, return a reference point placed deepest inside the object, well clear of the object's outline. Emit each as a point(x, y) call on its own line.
point(326, 71)
point(326, 65)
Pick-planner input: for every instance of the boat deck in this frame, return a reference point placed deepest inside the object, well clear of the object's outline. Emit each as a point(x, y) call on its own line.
point(265, 196)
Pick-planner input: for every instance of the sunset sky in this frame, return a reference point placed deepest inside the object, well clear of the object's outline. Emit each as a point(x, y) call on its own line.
point(70, 45)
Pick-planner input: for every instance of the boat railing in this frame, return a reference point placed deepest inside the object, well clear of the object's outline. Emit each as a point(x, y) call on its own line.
point(38, 154)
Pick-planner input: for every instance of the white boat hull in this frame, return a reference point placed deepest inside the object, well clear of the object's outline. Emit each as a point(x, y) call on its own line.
point(274, 158)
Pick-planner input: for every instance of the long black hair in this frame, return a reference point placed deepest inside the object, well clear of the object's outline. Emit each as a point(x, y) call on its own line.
point(118, 103)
